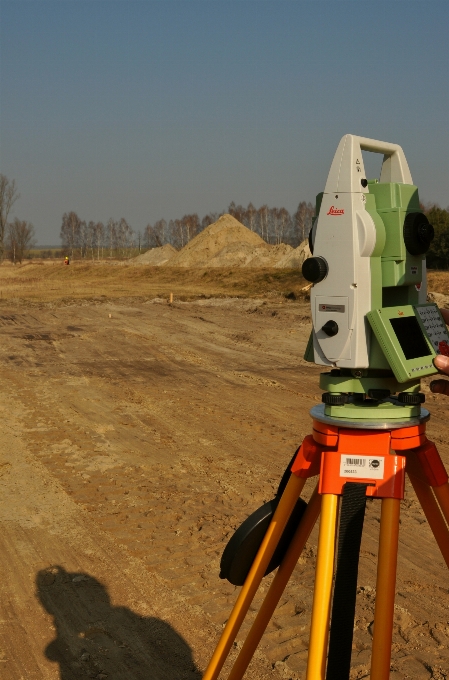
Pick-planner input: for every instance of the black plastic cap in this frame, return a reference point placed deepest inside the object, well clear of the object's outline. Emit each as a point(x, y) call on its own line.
point(364, 183)
point(330, 328)
point(315, 269)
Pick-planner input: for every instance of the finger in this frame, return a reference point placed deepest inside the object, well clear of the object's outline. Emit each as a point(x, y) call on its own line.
point(445, 315)
point(440, 387)
point(442, 363)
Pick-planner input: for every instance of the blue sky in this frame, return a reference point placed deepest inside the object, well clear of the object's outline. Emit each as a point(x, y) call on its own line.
point(148, 109)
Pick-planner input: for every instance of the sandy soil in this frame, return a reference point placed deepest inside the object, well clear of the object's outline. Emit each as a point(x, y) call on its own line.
point(132, 448)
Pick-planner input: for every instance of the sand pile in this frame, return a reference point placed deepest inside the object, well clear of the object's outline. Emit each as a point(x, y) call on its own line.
point(225, 232)
point(155, 256)
point(245, 255)
point(228, 243)
point(295, 258)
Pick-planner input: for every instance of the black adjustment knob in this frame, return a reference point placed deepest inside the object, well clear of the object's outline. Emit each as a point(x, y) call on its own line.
point(315, 269)
point(411, 398)
point(330, 328)
point(364, 183)
point(334, 399)
point(418, 233)
point(379, 394)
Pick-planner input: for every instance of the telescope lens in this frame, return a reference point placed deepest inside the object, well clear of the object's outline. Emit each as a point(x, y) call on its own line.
point(418, 233)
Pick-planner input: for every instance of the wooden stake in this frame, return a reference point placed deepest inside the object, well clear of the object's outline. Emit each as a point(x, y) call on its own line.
point(171, 298)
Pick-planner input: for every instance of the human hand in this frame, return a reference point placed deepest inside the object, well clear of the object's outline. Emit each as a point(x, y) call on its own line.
point(442, 363)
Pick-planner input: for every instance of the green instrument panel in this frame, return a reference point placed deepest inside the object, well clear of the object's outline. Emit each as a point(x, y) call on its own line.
point(410, 336)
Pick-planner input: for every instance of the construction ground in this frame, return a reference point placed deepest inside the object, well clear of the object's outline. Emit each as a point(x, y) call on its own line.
point(136, 436)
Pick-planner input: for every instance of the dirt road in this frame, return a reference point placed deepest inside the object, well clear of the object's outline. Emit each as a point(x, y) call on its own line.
point(132, 446)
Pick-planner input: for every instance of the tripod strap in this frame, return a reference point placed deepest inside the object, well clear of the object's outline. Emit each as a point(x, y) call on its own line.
point(343, 607)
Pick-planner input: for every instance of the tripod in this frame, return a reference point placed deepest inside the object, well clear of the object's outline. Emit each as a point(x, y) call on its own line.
point(353, 460)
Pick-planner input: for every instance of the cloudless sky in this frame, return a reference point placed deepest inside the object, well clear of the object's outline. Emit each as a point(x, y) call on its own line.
point(146, 109)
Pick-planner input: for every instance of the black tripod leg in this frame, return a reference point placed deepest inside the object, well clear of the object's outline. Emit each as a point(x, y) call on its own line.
point(345, 589)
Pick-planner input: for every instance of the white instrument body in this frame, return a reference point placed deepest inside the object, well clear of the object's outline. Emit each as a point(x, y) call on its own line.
point(345, 236)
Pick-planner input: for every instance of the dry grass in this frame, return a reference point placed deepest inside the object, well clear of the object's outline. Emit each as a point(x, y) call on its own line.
point(38, 282)
point(438, 281)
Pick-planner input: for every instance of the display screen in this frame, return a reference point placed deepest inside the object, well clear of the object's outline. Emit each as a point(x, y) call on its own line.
point(410, 337)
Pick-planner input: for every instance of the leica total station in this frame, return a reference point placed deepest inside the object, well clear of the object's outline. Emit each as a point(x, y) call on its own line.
point(377, 336)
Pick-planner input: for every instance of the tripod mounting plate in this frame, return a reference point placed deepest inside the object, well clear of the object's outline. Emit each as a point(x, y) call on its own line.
point(330, 382)
point(318, 413)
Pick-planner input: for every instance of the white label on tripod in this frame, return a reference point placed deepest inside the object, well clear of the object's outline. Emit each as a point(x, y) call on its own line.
point(366, 467)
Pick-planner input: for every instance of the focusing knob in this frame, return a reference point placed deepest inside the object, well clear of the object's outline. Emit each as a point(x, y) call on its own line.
point(418, 233)
point(334, 399)
point(330, 328)
point(411, 398)
point(315, 269)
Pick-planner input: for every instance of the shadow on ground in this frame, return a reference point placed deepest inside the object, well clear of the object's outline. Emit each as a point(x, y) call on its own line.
point(94, 639)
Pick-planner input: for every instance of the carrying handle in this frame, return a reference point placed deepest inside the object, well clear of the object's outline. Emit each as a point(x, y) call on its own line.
point(347, 169)
point(395, 167)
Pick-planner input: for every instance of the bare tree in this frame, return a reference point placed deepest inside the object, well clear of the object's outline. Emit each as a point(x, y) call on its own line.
point(192, 226)
point(70, 231)
point(160, 233)
point(111, 235)
point(98, 238)
point(8, 196)
point(251, 214)
point(208, 219)
point(19, 239)
point(281, 219)
point(303, 220)
point(263, 214)
point(237, 211)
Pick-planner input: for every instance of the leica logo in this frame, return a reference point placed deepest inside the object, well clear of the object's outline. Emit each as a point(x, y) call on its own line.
point(336, 211)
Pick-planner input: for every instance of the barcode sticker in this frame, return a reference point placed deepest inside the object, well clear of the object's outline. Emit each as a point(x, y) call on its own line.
point(367, 467)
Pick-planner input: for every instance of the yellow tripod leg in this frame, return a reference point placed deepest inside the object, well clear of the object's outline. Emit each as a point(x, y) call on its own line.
point(277, 587)
point(319, 629)
point(283, 511)
point(385, 589)
point(442, 494)
point(433, 515)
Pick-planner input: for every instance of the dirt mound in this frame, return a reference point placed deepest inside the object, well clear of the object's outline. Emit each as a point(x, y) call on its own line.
point(155, 256)
point(240, 254)
point(295, 257)
point(225, 232)
point(228, 243)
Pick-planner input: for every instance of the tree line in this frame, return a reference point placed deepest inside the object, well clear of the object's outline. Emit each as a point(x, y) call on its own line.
point(16, 237)
point(116, 238)
point(274, 225)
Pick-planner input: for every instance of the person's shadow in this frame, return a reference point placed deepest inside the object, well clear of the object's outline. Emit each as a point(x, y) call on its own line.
point(96, 640)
